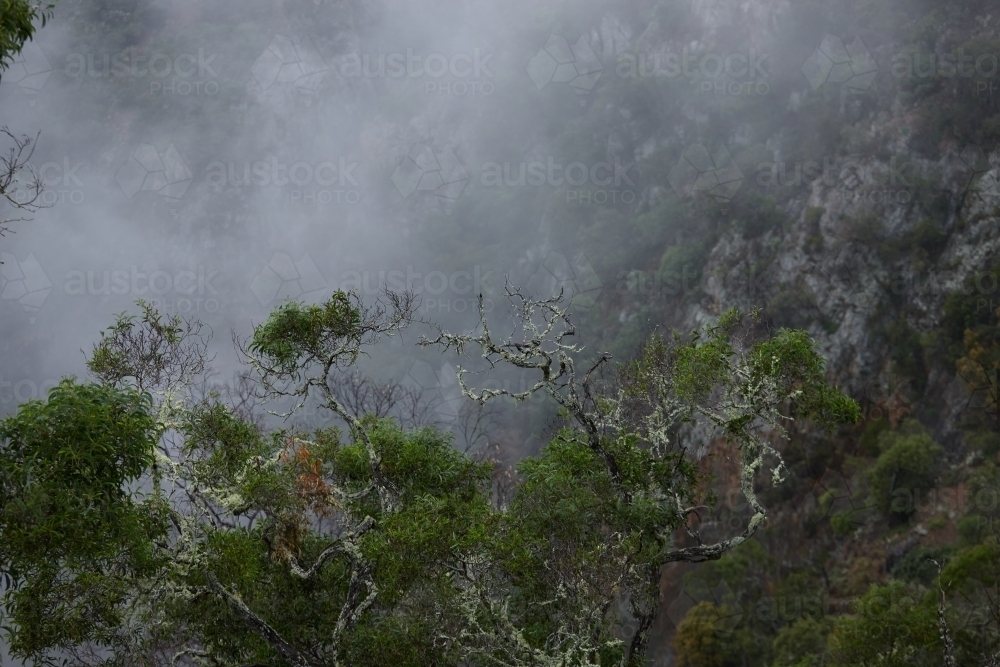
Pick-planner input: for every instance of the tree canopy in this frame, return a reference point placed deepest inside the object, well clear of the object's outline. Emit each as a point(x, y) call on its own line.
point(143, 524)
point(17, 26)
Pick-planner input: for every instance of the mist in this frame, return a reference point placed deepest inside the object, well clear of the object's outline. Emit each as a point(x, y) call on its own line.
point(657, 162)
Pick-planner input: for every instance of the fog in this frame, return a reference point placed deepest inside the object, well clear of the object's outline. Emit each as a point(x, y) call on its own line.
point(216, 158)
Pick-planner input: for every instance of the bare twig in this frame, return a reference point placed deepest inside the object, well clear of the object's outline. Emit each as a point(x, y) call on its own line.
point(20, 184)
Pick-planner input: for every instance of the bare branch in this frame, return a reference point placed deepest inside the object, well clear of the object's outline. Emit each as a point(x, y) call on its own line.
point(537, 343)
point(151, 352)
point(21, 186)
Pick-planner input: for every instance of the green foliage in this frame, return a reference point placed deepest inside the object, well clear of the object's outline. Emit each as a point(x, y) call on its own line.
point(985, 442)
point(295, 331)
point(222, 443)
point(697, 642)
point(980, 563)
point(971, 578)
point(682, 265)
point(969, 309)
point(17, 26)
point(905, 469)
point(802, 643)
point(702, 366)
point(288, 529)
point(918, 565)
point(789, 358)
point(759, 214)
point(144, 350)
point(444, 508)
point(70, 532)
point(842, 524)
point(869, 439)
point(64, 461)
point(232, 456)
point(893, 626)
point(983, 519)
point(928, 243)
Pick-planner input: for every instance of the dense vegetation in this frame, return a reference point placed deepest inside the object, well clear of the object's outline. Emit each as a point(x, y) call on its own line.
point(140, 524)
point(881, 543)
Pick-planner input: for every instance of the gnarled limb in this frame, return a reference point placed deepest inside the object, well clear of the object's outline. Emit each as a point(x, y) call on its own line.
point(346, 544)
point(259, 625)
point(541, 347)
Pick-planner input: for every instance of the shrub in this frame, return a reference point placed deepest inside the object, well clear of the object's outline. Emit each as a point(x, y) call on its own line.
point(892, 626)
point(801, 644)
point(905, 469)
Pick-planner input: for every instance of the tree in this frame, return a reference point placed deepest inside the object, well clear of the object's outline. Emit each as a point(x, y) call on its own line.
point(368, 544)
point(905, 469)
point(893, 625)
point(17, 26)
point(21, 185)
